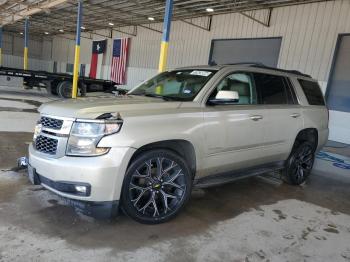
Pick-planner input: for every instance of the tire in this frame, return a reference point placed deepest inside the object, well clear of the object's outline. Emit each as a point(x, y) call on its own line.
point(152, 196)
point(64, 89)
point(299, 164)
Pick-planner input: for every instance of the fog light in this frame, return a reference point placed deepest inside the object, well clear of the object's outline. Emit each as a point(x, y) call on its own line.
point(81, 189)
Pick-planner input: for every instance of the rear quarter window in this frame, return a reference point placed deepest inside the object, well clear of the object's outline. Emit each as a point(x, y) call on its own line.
point(312, 92)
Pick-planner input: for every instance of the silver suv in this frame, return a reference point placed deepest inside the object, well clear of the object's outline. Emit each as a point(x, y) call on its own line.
point(190, 127)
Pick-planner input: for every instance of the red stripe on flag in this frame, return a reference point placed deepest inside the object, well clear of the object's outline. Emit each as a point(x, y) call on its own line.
point(93, 66)
point(118, 66)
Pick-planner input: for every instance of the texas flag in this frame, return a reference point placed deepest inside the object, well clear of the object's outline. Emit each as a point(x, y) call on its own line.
point(98, 50)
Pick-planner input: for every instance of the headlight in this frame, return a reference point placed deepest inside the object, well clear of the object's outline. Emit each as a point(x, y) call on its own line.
point(85, 136)
point(37, 129)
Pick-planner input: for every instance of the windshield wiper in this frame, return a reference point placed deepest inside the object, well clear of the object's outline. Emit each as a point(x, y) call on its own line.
point(166, 98)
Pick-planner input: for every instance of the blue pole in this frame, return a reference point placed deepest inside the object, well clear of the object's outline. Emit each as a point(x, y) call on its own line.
point(77, 50)
point(166, 33)
point(25, 56)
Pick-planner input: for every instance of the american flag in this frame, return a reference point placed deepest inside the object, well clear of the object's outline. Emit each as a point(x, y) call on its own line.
point(119, 59)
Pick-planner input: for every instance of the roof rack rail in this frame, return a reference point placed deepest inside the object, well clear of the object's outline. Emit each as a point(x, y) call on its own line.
point(295, 72)
point(261, 65)
point(247, 63)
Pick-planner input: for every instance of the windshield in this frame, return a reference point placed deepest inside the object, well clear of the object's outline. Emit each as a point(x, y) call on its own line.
point(180, 85)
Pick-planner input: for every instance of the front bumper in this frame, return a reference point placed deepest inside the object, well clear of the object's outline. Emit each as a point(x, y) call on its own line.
point(104, 174)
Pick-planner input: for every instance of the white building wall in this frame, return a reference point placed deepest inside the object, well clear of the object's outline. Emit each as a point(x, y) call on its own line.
point(309, 33)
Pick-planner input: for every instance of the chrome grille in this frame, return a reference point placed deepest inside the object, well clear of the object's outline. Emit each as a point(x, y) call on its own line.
point(51, 122)
point(46, 145)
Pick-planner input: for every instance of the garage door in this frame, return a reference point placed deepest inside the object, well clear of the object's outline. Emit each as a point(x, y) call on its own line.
point(338, 92)
point(256, 50)
point(339, 83)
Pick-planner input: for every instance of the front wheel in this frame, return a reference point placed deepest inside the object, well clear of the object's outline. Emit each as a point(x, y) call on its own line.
point(299, 164)
point(156, 187)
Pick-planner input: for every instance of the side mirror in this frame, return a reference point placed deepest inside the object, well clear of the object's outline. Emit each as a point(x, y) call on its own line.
point(225, 98)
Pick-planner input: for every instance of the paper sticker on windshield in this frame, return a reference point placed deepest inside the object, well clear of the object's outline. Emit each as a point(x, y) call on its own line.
point(200, 73)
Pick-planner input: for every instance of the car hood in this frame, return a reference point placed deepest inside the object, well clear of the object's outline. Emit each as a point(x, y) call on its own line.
point(91, 108)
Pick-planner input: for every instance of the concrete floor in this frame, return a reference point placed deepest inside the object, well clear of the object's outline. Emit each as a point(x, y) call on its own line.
point(257, 219)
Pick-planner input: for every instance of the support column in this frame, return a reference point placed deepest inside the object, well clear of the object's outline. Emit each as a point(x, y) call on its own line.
point(77, 50)
point(25, 55)
point(165, 38)
point(0, 46)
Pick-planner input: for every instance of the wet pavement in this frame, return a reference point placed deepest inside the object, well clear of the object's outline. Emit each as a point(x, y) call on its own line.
point(256, 219)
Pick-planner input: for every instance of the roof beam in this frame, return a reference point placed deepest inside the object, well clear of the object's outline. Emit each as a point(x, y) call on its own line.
point(206, 27)
point(31, 10)
point(264, 22)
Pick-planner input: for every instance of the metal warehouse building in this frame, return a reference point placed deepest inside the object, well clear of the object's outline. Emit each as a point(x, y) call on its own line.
point(310, 37)
point(174, 130)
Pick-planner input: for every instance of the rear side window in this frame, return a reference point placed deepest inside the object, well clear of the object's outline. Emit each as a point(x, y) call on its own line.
point(272, 89)
point(312, 92)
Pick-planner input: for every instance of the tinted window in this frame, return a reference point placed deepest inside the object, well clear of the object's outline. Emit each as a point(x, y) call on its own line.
point(312, 92)
point(242, 83)
point(272, 89)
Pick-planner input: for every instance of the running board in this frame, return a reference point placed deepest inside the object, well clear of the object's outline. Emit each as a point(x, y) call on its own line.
point(228, 177)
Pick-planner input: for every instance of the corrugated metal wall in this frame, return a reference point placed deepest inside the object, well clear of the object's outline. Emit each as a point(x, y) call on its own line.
point(308, 32)
point(40, 52)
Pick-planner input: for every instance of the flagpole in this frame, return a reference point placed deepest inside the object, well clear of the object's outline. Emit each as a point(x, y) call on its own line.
point(77, 50)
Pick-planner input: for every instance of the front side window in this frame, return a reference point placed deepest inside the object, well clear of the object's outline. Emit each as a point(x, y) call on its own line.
point(272, 89)
point(181, 85)
point(242, 83)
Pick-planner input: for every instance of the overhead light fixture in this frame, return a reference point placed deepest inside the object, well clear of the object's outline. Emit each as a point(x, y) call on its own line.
point(83, 27)
point(209, 10)
point(61, 30)
point(21, 33)
point(111, 24)
point(151, 18)
point(46, 33)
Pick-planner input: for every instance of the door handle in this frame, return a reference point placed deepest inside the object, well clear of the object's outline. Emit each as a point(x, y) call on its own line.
point(295, 115)
point(256, 117)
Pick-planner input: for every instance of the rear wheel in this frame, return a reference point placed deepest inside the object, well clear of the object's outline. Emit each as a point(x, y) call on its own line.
point(156, 187)
point(64, 89)
point(299, 164)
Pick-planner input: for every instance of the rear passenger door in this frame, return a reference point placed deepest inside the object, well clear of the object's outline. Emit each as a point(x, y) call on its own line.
point(282, 115)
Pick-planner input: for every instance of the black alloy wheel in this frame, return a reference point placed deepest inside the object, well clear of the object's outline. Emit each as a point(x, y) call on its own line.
point(299, 164)
point(157, 185)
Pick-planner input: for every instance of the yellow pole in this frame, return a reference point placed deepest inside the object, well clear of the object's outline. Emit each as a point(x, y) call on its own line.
point(25, 58)
point(76, 71)
point(163, 56)
point(77, 51)
point(25, 54)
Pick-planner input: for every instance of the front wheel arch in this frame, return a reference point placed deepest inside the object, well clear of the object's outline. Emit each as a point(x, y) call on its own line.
point(182, 147)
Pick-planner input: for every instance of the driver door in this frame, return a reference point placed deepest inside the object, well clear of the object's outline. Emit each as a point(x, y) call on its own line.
point(233, 132)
